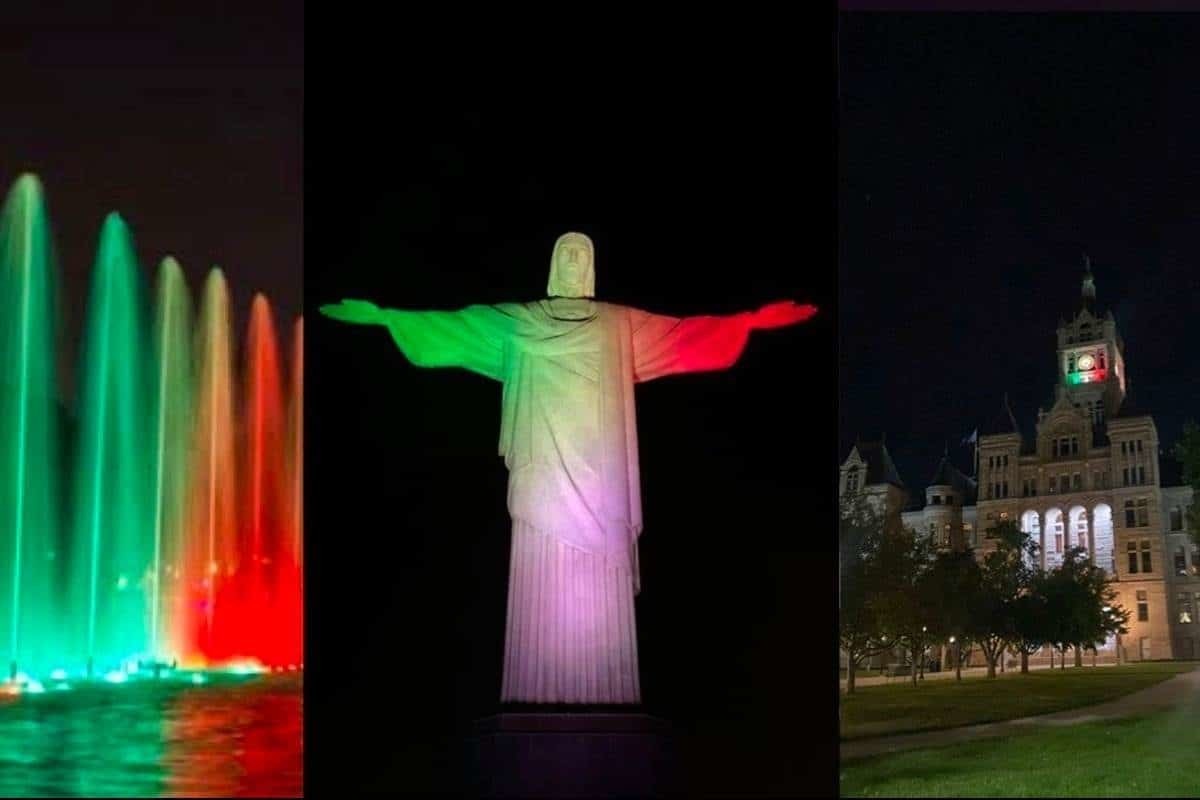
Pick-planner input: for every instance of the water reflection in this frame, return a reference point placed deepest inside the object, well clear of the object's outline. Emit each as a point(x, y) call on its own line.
point(223, 739)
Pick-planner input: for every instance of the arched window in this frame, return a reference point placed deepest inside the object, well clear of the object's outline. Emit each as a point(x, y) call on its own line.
point(1102, 538)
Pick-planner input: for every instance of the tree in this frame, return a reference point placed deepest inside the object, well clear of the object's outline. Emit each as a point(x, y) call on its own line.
point(1030, 625)
point(903, 558)
point(1081, 606)
point(860, 531)
point(949, 588)
point(1187, 450)
point(1004, 573)
point(1029, 612)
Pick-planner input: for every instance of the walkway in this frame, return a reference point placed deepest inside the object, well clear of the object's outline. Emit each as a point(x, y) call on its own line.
point(875, 679)
point(1159, 697)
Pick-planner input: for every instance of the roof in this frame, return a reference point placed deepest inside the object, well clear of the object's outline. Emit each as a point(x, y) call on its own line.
point(1129, 409)
point(880, 467)
point(949, 475)
point(1003, 423)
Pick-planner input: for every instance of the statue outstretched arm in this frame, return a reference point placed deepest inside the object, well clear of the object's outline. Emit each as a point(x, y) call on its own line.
point(472, 338)
point(665, 345)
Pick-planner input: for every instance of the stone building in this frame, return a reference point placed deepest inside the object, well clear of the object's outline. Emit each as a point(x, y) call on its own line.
point(1091, 473)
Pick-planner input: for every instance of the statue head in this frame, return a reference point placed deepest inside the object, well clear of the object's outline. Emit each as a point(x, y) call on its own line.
point(572, 267)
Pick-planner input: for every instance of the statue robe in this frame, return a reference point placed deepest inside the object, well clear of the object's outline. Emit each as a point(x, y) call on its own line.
point(568, 436)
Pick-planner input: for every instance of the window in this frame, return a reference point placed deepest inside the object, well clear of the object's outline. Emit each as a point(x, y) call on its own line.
point(1050, 484)
point(1100, 361)
point(1142, 475)
point(1184, 600)
point(1006, 460)
point(1125, 476)
point(1005, 488)
point(1074, 445)
point(1195, 560)
point(1146, 556)
point(989, 492)
point(937, 499)
point(1122, 448)
point(852, 480)
point(1077, 481)
point(1130, 515)
point(1132, 548)
point(1143, 513)
point(1054, 448)
point(1143, 607)
point(1064, 484)
point(1180, 561)
point(1139, 445)
point(1176, 518)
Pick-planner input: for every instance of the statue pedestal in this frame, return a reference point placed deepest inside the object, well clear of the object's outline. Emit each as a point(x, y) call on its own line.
point(572, 755)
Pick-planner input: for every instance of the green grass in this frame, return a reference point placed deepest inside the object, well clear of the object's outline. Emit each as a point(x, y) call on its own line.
point(903, 708)
point(1150, 756)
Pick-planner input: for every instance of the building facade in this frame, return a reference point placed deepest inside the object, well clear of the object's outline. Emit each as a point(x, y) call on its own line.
point(1089, 476)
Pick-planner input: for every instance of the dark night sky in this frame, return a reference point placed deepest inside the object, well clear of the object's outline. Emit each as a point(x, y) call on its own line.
point(191, 131)
point(980, 157)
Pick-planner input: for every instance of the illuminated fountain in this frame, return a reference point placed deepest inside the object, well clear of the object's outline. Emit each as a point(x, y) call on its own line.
point(30, 521)
point(162, 536)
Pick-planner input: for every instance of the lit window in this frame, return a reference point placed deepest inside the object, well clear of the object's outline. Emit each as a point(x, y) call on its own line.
point(1133, 562)
point(1143, 607)
point(1130, 515)
point(1077, 481)
point(1143, 513)
point(1184, 599)
point(1146, 556)
point(1180, 561)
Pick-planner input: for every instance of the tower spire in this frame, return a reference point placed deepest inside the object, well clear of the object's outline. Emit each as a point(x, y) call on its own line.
point(1089, 282)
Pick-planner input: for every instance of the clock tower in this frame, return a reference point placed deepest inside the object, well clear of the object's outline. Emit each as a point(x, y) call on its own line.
point(1091, 360)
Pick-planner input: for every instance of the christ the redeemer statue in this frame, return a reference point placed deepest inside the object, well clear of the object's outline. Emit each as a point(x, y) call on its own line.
point(568, 436)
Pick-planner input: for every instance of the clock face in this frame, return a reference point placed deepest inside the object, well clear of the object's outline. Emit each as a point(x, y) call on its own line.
point(1086, 363)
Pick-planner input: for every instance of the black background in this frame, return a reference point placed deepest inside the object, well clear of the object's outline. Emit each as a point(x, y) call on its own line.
point(703, 172)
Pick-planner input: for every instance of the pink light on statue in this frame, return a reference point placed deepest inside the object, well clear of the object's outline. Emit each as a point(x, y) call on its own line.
point(568, 435)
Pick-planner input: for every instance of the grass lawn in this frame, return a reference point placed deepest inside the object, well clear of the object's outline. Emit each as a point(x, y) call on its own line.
point(1150, 756)
point(903, 708)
